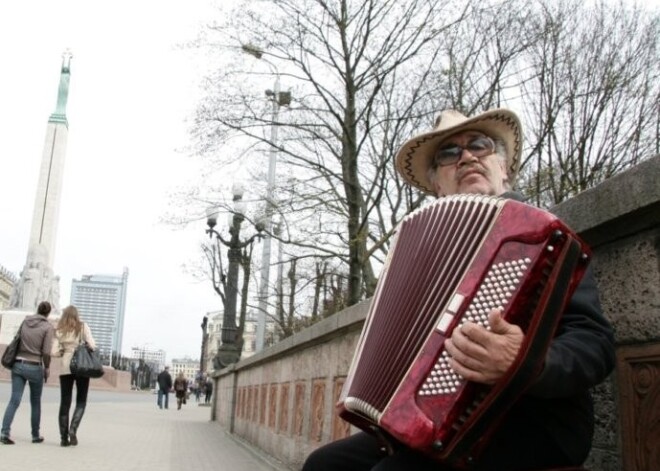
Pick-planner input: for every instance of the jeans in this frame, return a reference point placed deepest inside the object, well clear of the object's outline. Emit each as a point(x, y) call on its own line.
point(163, 393)
point(20, 374)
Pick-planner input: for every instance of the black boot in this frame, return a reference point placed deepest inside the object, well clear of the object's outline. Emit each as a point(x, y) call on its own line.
point(64, 430)
point(75, 422)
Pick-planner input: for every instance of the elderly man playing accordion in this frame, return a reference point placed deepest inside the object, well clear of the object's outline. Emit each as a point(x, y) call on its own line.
point(550, 425)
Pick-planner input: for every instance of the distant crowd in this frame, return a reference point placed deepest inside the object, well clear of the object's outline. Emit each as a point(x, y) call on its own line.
point(182, 388)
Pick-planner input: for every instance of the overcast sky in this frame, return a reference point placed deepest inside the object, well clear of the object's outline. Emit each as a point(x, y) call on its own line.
point(130, 93)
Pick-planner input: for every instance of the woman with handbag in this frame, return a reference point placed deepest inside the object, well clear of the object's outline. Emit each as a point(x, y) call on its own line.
point(31, 364)
point(70, 332)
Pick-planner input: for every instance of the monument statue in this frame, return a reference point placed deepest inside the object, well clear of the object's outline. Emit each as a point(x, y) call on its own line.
point(37, 281)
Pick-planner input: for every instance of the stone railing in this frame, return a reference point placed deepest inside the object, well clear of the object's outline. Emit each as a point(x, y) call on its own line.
point(282, 400)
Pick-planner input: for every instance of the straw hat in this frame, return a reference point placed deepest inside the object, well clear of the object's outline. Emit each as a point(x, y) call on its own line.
point(415, 156)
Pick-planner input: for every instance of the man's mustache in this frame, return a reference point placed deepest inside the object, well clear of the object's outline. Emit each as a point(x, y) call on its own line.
point(474, 168)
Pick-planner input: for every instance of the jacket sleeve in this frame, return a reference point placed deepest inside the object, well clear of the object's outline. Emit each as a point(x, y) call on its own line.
point(57, 349)
point(582, 353)
point(47, 344)
point(87, 336)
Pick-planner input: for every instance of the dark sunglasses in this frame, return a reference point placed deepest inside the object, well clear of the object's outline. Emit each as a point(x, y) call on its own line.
point(451, 153)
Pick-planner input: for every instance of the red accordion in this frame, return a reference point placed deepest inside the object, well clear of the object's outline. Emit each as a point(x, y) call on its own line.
point(451, 262)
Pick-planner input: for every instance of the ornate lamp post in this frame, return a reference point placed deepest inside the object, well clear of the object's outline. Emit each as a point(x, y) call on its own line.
point(229, 351)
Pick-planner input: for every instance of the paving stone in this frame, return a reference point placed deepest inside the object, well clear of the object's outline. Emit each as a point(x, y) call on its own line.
point(126, 432)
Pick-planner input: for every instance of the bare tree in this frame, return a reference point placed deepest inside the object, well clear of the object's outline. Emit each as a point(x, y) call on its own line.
point(591, 101)
point(481, 57)
point(350, 64)
point(583, 77)
point(362, 76)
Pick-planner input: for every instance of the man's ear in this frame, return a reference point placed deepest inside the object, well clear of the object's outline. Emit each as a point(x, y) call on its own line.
point(505, 173)
point(438, 190)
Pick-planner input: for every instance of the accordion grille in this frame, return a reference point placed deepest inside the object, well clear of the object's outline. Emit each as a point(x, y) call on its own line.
point(433, 249)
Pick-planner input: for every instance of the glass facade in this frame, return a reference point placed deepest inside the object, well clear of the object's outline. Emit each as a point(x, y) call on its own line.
point(101, 302)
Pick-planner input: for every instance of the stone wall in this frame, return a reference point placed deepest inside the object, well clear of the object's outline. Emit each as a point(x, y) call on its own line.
point(282, 399)
point(620, 219)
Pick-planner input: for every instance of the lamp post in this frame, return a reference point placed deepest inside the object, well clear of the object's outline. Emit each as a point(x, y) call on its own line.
point(278, 99)
point(280, 267)
point(205, 335)
point(228, 351)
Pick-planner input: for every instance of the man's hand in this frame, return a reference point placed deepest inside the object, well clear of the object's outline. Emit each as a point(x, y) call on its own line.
point(483, 356)
point(46, 374)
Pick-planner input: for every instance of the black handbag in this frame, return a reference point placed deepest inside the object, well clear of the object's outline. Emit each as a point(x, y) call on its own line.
point(86, 362)
point(9, 356)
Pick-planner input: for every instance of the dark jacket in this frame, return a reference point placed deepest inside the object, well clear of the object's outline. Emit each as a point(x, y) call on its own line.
point(580, 357)
point(36, 338)
point(165, 380)
point(180, 387)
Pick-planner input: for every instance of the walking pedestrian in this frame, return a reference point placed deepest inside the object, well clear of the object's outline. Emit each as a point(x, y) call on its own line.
point(180, 389)
point(164, 388)
point(70, 332)
point(32, 366)
point(208, 390)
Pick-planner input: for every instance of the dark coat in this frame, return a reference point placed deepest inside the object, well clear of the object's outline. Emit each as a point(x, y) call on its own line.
point(180, 387)
point(580, 357)
point(165, 380)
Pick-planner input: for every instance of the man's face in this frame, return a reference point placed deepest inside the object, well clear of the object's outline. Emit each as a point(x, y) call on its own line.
point(485, 174)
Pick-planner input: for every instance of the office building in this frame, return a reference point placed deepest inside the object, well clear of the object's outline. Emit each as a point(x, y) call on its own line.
point(101, 301)
point(187, 366)
point(213, 336)
point(154, 358)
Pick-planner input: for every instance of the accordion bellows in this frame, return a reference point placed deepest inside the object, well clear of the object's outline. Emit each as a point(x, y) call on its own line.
point(452, 262)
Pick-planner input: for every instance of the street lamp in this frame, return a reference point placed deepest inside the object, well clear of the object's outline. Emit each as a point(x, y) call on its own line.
point(278, 99)
point(280, 267)
point(228, 351)
point(205, 335)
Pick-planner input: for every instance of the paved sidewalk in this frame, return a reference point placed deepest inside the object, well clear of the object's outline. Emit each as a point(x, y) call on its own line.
point(125, 432)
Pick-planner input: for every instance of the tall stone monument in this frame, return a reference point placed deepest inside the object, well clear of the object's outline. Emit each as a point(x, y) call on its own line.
point(37, 280)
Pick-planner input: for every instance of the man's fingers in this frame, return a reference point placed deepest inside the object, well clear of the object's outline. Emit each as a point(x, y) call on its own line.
point(468, 340)
point(482, 355)
point(497, 323)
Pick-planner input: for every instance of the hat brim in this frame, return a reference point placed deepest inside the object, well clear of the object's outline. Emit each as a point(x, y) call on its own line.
point(415, 156)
